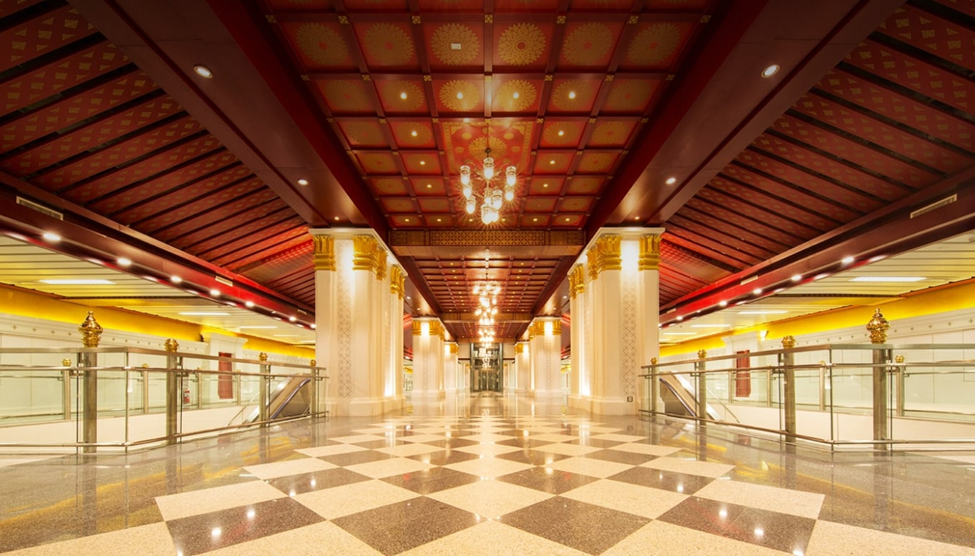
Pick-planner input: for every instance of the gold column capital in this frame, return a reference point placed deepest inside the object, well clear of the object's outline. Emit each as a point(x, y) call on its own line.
point(454, 349)
point(91, 331)
point(369, 254)
point(877, 327)
point(577, 281)
point(324, 252)
point(171, 345)
point(788, 342)
point(521, 347)
point(397, 281)
point(649, 252)
point(67, 362)
point(435, 328)
point(537, 328)
point(604, 255)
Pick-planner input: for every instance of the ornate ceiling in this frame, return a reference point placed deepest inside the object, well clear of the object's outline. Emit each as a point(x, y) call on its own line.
point(595, 102)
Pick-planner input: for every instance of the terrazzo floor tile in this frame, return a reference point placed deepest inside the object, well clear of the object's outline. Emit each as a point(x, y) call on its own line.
point(358, 438)
point(691, 467)
point(409, 450)
point(584, 527)
point(353, 498)
point(490, 538)
point(486, 437)
point(664, 539)
point(444, 457)
point(491, 499)
point(331, 450)
point(175, 506)
point(567, 449)
point(312, 540)
point(585, 440)
point(289, 467)
point(769, 529)
point(648, 449)
point(146, 540)
point(422, 437)
point(591, 467)
point(431, 480)
point(319, 480)
point(388, 467)
point(490, 449)
point(531, 456)
point(399, 527)
point(618, 437)
point(353, 458)
point(792, 502)
point(211, 531)
point(834, 539)
point(642, 501)
point(546, 479)
point(552, 437)
point(628, 458)
point(599, 430)
point(488, 467)
point(663, 480)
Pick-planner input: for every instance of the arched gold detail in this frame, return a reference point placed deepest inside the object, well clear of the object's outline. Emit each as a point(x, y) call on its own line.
point(369, 254)
point(877, 327)
point(521, 44)
point(397, 281)
point(577, 283)
point(649, 252)
point(450, 33)
point(604, 255)
point(321, 44)
point(324, 253)
point(171, 345)
point(788, 342)
point(91, 331)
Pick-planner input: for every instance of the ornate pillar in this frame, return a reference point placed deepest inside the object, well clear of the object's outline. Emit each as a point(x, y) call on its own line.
point(579, 381)
point(545, 346)
point(358, 314)
point(428, 358)
point(522, 383)
point(619, 309)
point(451, 379)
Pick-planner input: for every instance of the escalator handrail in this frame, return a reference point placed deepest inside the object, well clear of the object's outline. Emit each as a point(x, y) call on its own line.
point(690, 411)
point(294, 392)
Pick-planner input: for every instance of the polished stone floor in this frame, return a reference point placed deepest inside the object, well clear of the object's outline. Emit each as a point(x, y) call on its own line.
point(488, 474)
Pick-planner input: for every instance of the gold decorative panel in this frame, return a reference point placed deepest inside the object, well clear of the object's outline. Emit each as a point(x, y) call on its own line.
point(604, 255)
point(369, 254)
point(650, 252)
point(324, 255)
point(397, 281)
point(577, 284)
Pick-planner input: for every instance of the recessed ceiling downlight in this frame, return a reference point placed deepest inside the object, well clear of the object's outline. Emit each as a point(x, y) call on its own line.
point(770, 70)
point(203, 71)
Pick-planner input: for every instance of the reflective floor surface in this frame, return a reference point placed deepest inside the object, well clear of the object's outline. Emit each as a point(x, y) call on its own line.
point(488, 474)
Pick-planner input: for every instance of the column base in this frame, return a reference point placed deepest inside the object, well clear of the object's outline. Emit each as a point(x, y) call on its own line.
point(393, 403)
point(582, 403)
point(359, 407)
point(426, 395)
point(613, 406)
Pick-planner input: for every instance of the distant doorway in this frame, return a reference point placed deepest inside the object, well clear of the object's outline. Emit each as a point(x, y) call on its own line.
point(486, 369)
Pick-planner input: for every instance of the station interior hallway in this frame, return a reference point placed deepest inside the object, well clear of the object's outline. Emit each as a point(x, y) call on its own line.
point(488, 473)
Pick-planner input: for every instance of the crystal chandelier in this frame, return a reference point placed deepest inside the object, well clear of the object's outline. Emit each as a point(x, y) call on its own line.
point(487, 304)
point(493, 195)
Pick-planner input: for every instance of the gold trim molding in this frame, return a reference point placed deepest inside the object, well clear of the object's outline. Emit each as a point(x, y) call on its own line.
point(324, 254)
point(369, 254)
point(436, 328)
point(577, 281)
point(537, 328)
point(604, 255)
point(397, 281)
point(650, 252)
point(521, 347)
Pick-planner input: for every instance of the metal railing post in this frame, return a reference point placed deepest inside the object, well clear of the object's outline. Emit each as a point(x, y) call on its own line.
point(787, 362)
point(654, 386)
point(702, 386)
point(900, 373)
point(173, 373)
point(314, 388)
point(877, 327)
point(822, 385)
point(66, 375)
point(91, 333)
point(264, 388)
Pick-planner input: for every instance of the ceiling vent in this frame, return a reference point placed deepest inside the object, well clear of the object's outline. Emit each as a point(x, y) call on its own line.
point(39, 208)
point(934, 206)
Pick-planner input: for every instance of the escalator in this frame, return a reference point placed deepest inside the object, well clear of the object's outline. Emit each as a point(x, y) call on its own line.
point(291, 398)
point(678, 400)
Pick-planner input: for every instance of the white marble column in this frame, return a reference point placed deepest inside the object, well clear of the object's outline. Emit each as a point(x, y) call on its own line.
point(355, 319)
point(523, 369)
point(428, 359)
point(579, 393)
point(451, 378)
point(545, 346)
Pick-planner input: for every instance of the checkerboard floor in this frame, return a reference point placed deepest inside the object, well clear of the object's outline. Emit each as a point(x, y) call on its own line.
point(493, 483)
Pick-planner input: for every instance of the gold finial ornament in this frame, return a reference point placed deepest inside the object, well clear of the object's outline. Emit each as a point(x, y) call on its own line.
point(91, 331)
point(899, 359)
point(171, 345)
point(262, 357)
point(653, 360)
point(877, 327)
point(701, 354)
point(65, 362)
point(313, 363)
point(788, 342)
point(145, 365)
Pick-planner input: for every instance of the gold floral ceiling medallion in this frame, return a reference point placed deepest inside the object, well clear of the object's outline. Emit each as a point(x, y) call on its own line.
point(551, 134)
point(447, 36)
point(588, 44)
point(514, 96)
point(460, 96)
point(388, 44)
point(654, 44)
point(521, 44)
point(477, 146)
point(321, 44)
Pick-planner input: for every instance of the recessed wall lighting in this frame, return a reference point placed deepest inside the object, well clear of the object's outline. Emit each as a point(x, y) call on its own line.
point(770, 70)
point(249, 304)
point(302, 181)
point(671, 180)
point(50, 236)
point(203, 71)
point(122, 261)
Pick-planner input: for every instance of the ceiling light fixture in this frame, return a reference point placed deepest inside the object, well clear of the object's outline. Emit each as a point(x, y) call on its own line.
point(757, 291)
point(292, 319)
point(249, 304)
point(52, 237)
point(175, 279)
point(215, 292)
point(122, 261)
point(847, 260)
point(723, 304)
point(203, 71)
point(770, 71)
point(302, 181)
point(671, 180)
point(797, 277)
point(492, 196)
